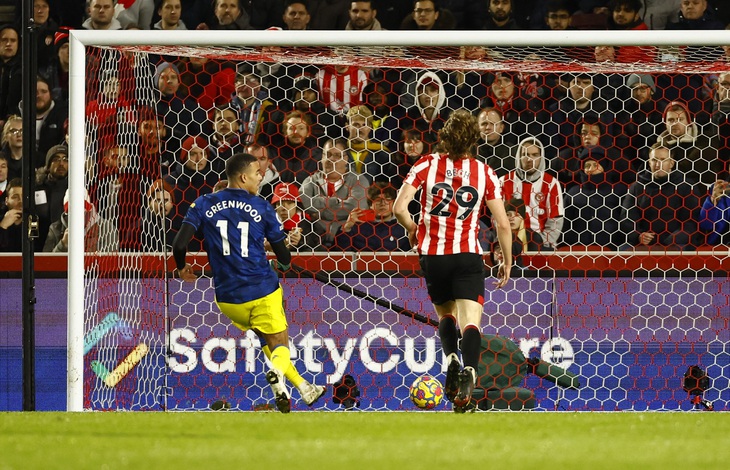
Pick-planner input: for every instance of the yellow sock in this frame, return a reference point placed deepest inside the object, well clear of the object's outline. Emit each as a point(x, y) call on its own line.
point(291, 372)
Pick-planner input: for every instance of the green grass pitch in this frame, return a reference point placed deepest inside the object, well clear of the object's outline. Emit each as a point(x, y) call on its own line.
point(367, 440)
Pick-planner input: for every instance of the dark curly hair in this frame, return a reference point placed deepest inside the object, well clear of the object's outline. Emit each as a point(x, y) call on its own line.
point(459, 135)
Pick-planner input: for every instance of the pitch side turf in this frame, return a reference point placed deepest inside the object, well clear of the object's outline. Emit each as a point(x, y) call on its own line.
point(365, 440)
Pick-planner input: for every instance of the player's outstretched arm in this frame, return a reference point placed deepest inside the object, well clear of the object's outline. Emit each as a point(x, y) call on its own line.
point(180, 249)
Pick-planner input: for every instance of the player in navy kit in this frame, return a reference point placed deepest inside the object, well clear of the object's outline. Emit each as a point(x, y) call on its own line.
point(235, 222)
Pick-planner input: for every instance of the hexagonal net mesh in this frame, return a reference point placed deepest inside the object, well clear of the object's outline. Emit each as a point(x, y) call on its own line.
point(620, 228)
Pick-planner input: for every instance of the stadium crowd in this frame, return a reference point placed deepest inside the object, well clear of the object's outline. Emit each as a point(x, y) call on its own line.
point(607, 160)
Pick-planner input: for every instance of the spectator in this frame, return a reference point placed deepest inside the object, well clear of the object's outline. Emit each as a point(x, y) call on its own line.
point(266, 166)
point(658, 13)
point(500, 16)
point(341, 87)
point(363, 16)
point(695, 14)
point(60, 66)
point(296, 15)
point(595, 178)
point(375, 228)
point(104, 110)
point(195, 12)
point(101, 16)
point(429, 111)
point(170, 12)
point(299, 155)
point(46, 28)
point(135, 178)
point(254, 109)
point(194, 174)
point(12, 146)
point(428, 15)
point(182, 116)
point(159, 222)
point(495, 147)
point(225, 141)
point(11, 218)
point(626, 16)
point(690, 149)
point(368, 157)
point(57, 238)
point(662, 207)
point(297, 226)
point(50, 116)
point(721, 118)
point(380, 99)
point(3, 174)
point(715, 212)
point(410, 150)
point(524, 239)
point(540, 190)
point(11, 72)
point(471, 85)
point(136, 13)
point(228, 16)
point(582, 99)
point(639, 119)
point(304, 97)
point(505, 94)
point(51, 186)
point(595, 151)
point(558, 14)
point(328, 14)
point(330, 194)
point(196, 77)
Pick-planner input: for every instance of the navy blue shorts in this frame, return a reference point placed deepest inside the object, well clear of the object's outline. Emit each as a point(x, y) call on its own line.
point(451, 277)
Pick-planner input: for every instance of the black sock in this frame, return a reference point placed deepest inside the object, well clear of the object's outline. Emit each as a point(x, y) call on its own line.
point(448, 334)
point(471, 345)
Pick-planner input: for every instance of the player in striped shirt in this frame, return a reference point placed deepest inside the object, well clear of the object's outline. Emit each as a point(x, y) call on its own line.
point(453, 186)
point(539, 188)
point(235, 222)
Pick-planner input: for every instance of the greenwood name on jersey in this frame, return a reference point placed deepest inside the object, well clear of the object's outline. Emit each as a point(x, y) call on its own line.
point(451, 198)
point(235, 224)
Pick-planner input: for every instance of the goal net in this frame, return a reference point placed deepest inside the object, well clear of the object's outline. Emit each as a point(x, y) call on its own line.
point(609, 159)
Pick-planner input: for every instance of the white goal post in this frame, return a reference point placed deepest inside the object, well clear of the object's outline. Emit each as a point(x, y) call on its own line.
point(156, 41)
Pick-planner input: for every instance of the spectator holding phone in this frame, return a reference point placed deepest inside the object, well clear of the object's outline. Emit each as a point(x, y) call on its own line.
point(376, 228)
point(298, 228)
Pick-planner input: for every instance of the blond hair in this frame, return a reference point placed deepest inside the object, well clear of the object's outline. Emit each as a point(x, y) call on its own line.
point(6, 129)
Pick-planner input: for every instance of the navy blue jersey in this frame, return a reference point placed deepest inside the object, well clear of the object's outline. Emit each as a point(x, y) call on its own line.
point(235, 224)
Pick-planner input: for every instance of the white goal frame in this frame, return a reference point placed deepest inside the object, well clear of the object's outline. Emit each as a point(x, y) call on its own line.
point(80, 39)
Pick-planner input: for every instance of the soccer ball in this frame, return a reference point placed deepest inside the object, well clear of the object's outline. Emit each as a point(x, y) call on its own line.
point(426, 392)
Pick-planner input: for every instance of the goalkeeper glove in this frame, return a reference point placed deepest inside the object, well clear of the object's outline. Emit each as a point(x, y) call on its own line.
point(280, 266)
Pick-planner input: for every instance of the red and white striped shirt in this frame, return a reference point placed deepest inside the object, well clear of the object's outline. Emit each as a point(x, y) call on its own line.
point(451, 198)
point(341, 91)
point(543, 198)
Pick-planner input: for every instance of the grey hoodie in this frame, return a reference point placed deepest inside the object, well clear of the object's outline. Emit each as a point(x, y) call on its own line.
point(553, 225)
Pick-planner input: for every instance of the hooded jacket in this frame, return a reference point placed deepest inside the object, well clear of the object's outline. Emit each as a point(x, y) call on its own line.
point(414, 116)
point(542, 193)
